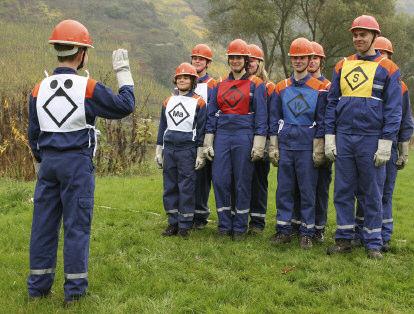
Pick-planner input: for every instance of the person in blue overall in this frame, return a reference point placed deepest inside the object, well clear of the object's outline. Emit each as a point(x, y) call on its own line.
point(236, 131)
point(325, 170)
point(179, 150)
point(258, 204)
point(62, 135)
point(362, 120)
point(296, 144)
point(201, 58)
point(399, 158)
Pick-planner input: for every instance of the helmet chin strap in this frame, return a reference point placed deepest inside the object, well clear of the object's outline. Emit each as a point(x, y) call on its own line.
point(372, 42)
point(80, 66)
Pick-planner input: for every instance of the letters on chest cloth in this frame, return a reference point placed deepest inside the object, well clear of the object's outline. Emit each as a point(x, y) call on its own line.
point(180, 113)
point(357, 78)
point(202, 90)
point(233, 97)
point(60, 103)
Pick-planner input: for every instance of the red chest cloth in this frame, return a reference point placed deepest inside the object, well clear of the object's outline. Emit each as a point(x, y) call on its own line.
point(233, 97)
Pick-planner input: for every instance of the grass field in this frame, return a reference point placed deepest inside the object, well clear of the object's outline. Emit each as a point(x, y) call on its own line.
point(133, 269)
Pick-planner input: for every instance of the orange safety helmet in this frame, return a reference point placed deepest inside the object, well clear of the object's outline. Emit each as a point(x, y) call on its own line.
point(185, 69)
point(318, 49)
point(238, 47)
point(202, 50)
point(70, 32)
point(300, 47)
point(256, 52)
point(382, 43)
point(366, 22)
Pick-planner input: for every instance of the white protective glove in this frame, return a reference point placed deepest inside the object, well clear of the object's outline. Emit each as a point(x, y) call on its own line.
point(208, 146)
point(259, 143)
point(274, 151)
point(36, 167)
point(200, 159)
point(402, 155)
point(330, 147)
point(383, 153)
point(318, 152)
point(120, 64)
point(158, 156)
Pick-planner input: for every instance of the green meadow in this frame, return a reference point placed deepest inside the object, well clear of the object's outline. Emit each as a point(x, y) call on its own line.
point(133, 269)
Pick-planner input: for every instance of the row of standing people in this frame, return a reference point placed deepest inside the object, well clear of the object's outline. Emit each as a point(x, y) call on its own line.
point(248, 122)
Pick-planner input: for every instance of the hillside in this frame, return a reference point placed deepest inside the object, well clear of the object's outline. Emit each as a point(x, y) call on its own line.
point(158, 35)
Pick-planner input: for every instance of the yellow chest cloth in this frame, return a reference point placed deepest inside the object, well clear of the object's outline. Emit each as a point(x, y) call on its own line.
point(357, 78)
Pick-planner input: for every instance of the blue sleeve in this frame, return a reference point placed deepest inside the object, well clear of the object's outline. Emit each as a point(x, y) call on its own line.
point(201, 124)
point(275, 113)
point(332, 100)
point(392, 111)
point(107, 105)
point(33, 128)
point(260, 109)
point(162, 127)
point(407, 125)
point(212, 108)
point(320, 114)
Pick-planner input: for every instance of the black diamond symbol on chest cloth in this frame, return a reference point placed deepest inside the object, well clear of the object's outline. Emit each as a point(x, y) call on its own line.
point(232, 96)
point(298, 105)
point(62, 117)
point(356, 78)
point(178, 114)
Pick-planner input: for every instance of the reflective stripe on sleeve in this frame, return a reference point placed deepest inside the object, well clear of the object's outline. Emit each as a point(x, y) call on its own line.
point(387, 221)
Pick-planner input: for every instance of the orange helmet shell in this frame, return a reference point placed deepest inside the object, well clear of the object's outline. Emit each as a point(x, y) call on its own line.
point(202, 50)
point(256, 52)
point(300, 47)
point(366, 22)
point(238, 47)
point(185, 69)
point(70, 32)
point(382, 43)
point(318, 49)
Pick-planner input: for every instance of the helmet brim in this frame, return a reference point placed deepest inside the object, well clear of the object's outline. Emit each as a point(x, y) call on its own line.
point(69, 43)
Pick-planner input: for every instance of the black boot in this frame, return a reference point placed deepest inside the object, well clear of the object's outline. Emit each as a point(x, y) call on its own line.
point(171, 230)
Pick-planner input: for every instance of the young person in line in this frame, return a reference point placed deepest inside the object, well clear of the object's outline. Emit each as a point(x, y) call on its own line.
point(362, 120)
point(235, 137)
point(179, 150)
point(296, 135)
point(201, 58)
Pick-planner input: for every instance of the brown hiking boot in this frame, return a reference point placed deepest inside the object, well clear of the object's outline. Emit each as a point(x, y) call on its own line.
point(306, 242)
point(280, 238)
point(341, 246)
point(374, 254)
